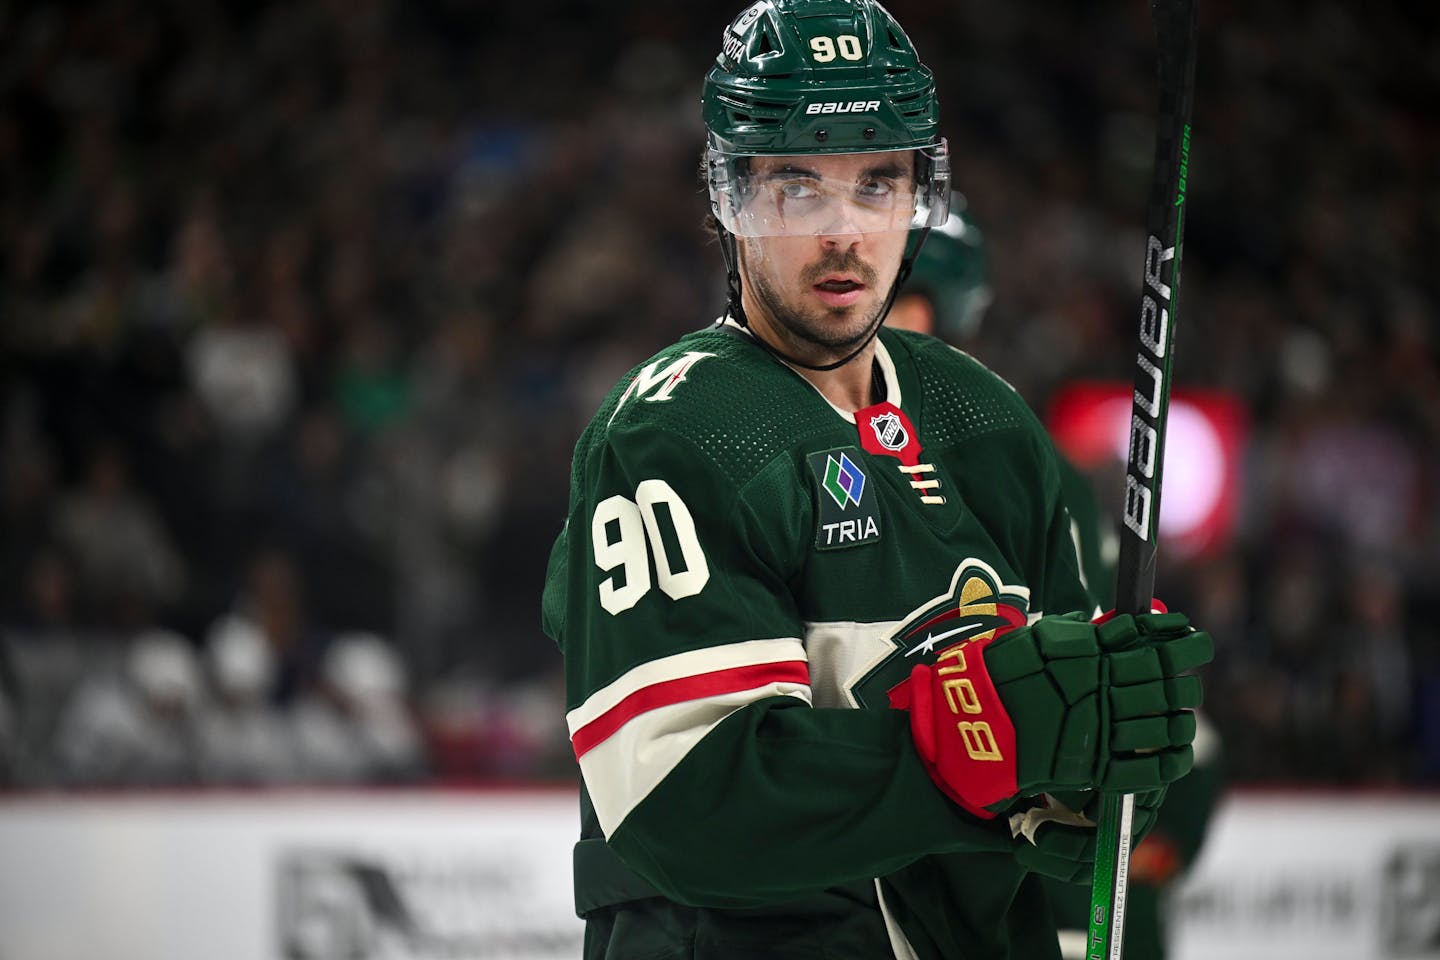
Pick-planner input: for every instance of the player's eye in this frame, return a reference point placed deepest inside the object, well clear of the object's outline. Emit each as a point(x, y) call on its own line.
point(798, 190)
point(877, 189)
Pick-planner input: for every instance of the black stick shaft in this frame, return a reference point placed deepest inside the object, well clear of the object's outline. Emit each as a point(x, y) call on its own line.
point(1175, 34)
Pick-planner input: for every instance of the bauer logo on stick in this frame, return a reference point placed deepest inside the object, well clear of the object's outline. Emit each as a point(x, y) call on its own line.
point(1150, 392)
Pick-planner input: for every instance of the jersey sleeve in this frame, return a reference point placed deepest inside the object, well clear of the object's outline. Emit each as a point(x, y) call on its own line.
point(689, 707)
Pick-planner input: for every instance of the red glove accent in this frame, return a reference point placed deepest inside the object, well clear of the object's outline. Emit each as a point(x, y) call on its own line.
point(1156, 606)
point(961, 730)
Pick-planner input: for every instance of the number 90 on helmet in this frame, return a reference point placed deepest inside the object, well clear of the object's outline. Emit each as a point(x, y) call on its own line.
point(799, 79)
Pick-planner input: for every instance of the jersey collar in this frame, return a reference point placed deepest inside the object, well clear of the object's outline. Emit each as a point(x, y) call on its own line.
point(883, 362)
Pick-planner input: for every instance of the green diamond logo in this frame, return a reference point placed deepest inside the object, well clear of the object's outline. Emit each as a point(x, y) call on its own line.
point(843, 481)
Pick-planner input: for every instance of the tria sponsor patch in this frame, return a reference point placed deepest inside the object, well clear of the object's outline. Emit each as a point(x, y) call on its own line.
point(846, 514)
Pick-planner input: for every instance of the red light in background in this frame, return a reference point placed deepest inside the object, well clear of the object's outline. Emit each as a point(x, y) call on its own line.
point(1205, 441)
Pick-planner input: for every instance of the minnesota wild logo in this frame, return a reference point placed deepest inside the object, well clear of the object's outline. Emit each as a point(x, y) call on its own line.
point(977, 606)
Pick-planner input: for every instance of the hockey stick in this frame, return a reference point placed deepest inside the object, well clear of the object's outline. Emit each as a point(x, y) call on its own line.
point(1175, 29)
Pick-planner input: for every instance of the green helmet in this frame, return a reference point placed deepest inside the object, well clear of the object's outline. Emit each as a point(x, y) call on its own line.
point(952, 272)
point(818, 76)
point(803, 77)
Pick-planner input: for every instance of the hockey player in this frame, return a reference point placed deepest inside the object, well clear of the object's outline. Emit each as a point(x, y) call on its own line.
point(832, 680)
point(947, 294)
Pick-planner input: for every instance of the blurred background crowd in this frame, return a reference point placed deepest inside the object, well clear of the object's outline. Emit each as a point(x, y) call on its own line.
point(304, 304)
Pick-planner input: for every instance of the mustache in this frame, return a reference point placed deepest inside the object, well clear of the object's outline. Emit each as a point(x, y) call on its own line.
point(835, 262)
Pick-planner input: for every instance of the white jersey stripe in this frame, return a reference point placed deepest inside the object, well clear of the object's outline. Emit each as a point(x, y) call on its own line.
point(621, 770)
point(678, 666)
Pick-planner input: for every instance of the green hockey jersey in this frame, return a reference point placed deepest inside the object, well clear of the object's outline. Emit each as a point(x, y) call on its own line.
point(745, 573)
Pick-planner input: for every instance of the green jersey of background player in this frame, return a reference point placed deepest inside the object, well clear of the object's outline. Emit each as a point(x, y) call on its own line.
point(831, 677)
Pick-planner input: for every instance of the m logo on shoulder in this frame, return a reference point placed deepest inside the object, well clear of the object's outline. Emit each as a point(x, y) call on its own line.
point(654, 383)
point(847, 515)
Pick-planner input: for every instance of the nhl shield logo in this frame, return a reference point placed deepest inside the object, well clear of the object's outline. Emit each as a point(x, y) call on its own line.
point(886, 432)
point(889, 431)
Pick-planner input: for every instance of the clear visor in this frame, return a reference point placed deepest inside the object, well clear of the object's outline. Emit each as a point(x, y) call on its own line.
point(830, 194)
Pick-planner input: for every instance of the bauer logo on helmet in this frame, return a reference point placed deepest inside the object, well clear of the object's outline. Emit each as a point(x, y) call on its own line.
point(843, 106)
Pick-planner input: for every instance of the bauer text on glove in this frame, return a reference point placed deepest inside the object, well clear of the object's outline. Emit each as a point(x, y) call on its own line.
point(1063, 704)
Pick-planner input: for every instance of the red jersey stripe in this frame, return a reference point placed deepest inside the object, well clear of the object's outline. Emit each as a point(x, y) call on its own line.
point(665, 693)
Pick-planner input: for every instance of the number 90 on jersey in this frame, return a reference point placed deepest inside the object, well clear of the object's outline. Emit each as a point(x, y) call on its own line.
point(628, 535)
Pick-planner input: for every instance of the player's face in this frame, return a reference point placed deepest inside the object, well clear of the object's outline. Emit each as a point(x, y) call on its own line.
point(823, 284)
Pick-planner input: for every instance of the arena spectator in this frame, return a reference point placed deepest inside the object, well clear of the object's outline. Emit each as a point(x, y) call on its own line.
point(243, 738)
point(135, 728)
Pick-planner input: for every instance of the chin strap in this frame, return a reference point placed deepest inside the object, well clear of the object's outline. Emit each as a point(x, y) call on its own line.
point(733, 307)
point(736, 310)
